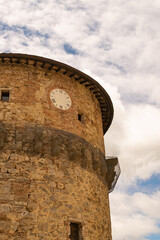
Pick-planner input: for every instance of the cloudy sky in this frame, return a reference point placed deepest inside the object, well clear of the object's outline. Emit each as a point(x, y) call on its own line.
point(117, 42)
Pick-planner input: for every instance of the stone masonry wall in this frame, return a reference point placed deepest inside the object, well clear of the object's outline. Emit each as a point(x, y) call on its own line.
point(30, 103)
point(42, 140)
point(52, 166)
point(40, 196)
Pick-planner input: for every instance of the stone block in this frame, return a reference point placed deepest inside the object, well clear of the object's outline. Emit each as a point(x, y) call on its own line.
point(19, 136)
point(43, 227)
point(38, 146)
point(96, 164)
point(5, 197)
point(3, 236)
point(3, 135)
point(4, 226)
point(19, 146)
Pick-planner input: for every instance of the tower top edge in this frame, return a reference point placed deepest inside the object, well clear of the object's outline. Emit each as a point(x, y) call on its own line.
point(99, 92)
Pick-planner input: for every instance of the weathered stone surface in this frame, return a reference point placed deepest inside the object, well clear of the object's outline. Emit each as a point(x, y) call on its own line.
point(4, 226)
point(3, 135)
point(18, 146)
point(79, 196)
point(52, 166)
point(4, 237)
point(56, 143)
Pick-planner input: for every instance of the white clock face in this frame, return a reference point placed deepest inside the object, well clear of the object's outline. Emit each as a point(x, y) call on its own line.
point(60, 99)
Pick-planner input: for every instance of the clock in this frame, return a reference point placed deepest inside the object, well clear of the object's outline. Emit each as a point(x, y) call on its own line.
point(60, 99)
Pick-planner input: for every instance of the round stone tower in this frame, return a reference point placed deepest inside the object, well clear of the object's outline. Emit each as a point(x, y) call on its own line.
point(54, 177)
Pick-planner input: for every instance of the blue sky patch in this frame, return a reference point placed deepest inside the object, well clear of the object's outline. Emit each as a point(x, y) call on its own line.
point(154, 237)
point(24, 44)
point(5, 27)
point(120, 68)
point(7, 51)
point(148, 186)
point(132, 97)
point(70, 50)
point(27, 31)
point(136, 98)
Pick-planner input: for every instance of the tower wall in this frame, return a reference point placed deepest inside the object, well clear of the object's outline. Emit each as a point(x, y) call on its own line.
point(30, 102)
point(52, 166)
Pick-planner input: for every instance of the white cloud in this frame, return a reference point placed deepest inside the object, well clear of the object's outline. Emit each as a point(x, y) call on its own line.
point(118, 44)
point(134, 217)
point(134, 137)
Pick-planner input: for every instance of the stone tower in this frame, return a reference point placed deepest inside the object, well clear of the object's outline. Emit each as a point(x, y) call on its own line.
point(54, 177)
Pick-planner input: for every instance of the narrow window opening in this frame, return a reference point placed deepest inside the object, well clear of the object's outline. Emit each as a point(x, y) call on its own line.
point(80, 117)
point(5, 95)
point(75, 231)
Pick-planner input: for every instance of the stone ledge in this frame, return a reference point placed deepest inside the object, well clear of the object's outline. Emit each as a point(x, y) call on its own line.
point(35, 140)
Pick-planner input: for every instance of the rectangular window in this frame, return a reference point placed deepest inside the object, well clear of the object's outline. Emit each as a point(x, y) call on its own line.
point(80, 117)
point(4, 95)
point(75, 231)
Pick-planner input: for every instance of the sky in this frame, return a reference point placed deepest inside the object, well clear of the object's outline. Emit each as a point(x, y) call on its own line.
point(117, 43)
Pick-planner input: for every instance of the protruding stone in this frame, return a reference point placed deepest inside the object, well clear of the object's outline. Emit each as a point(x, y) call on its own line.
point(56, 145)
point(38, 146)
point(19, 146)
point(3, 135)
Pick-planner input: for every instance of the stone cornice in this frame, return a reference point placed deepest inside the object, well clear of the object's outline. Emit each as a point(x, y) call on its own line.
point(96, 89)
